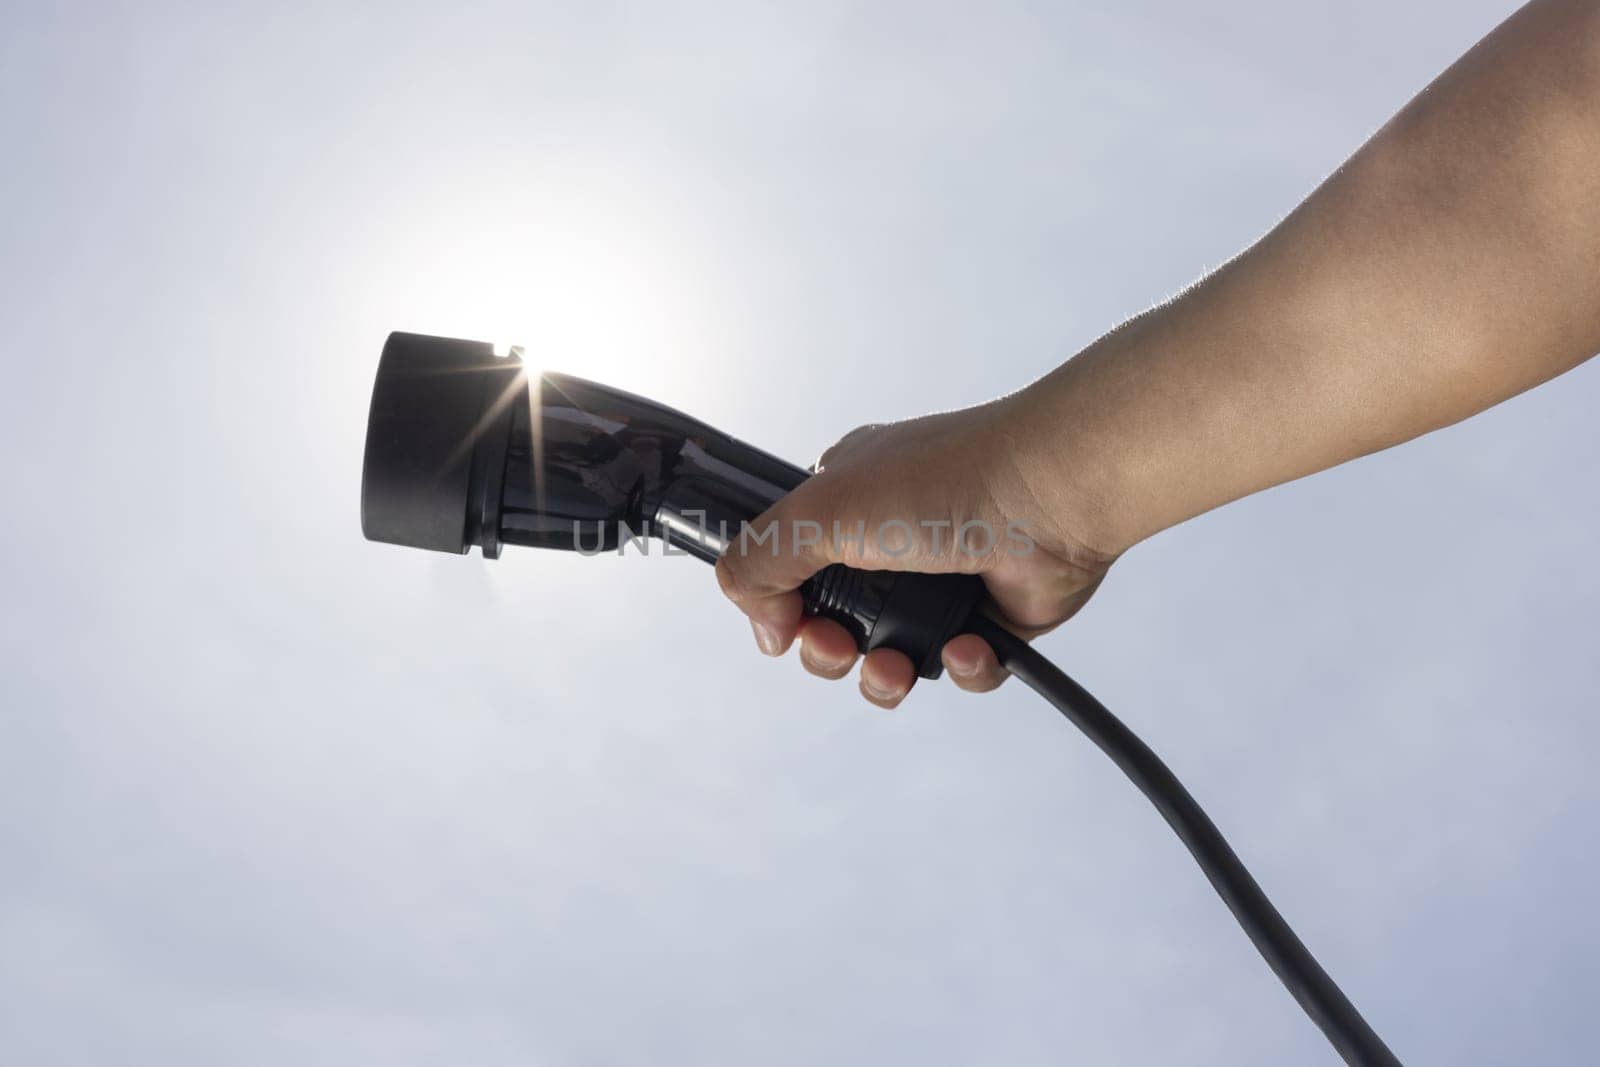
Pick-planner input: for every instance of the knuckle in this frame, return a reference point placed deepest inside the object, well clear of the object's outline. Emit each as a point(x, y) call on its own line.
point(845, 445)
point(730, 578)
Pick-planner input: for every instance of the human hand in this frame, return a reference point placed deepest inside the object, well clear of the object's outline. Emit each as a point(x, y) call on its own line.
point(951, 492)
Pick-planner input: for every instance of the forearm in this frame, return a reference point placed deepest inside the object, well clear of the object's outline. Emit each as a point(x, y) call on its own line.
point(1453, 262)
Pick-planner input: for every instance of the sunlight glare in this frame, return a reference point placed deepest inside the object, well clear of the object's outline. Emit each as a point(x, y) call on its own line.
point(607, 303)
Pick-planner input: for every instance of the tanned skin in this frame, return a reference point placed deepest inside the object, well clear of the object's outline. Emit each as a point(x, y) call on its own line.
point(1451, 263)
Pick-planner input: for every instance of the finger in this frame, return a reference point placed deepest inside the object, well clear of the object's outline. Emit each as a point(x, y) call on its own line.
point(826, 648)
point(775, 620)
point(779, 549)
point(761, 577)
point(886, 677)
point(972, 664)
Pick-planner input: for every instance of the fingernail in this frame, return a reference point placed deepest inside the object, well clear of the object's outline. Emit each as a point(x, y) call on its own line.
point(765, 638)
point(825, 665)
point(874, 692)
point(965, 668)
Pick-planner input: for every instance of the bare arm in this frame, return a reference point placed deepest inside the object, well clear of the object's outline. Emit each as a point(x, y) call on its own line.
point(1453, 262)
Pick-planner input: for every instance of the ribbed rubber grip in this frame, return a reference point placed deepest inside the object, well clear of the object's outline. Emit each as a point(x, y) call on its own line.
point(911, 613)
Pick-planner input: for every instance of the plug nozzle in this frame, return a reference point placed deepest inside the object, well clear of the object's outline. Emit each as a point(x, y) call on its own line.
point(437, 435)
point(465, 447)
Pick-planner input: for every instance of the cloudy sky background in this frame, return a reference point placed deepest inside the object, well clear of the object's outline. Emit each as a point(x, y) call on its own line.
point(270, 794)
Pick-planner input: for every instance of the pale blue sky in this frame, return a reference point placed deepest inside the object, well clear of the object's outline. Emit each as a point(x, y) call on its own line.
point(270, 794)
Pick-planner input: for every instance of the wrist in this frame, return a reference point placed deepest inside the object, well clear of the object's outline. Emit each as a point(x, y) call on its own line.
point(1093, 451)
point(1059, 476)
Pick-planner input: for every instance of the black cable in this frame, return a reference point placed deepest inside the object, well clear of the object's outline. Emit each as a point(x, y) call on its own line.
point(1289, 959)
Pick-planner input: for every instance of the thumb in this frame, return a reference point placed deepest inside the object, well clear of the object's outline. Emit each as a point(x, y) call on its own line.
point(763, 569)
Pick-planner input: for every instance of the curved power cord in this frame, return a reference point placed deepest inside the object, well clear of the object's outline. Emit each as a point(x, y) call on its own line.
point(1288, 957)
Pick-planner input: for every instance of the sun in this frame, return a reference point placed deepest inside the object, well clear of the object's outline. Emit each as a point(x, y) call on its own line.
point(613, 303)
